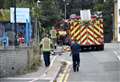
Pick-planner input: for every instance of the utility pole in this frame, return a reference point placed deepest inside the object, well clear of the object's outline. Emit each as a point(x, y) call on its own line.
point(15, 24)
point(115, 35)
point(37, 25)
point(65, 8)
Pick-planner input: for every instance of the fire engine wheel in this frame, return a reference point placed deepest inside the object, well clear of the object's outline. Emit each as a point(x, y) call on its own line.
point(92, 48)
point(100, 47)
point(86, 48)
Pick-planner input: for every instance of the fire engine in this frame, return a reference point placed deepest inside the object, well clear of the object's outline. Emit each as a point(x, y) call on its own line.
point(89, 34)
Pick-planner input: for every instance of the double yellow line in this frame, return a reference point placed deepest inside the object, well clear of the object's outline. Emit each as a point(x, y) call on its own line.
point(65, 75)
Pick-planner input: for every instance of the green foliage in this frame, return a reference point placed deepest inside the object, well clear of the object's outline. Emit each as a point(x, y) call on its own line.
point(98, 7)
point(107, 15)
point(24, 4)
point(50, 12)
point(4, 15)
point(36, 13)
point(85, 22)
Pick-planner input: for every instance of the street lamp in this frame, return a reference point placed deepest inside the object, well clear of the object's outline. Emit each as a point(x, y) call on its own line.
point(37, 30)
point(38, 2)
point(65, 8)
point(104, 0)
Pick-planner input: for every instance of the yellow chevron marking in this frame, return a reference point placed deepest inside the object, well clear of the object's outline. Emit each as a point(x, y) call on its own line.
point(76, 33)
point(74, 23)
point(95, 35)
point(72, 30)
point(91, 37)
point(97, 32)
point(94, 39)
point(83, 37)
point(90, 42)
point(71, 27)
point(100, 29)
point(81, 28)
point(75, 28)
point(98, 22)
point(101, 25)
point(91, 32)
point(84, 42)
point(97, 42)
point(83, 32)
point(78, 37)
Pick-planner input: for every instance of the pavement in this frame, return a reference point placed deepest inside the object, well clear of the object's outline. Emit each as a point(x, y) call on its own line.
point(43, 74)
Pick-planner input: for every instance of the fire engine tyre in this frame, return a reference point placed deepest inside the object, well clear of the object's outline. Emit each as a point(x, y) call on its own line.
point(100, 47)
point(92, 48)
point(86, 48)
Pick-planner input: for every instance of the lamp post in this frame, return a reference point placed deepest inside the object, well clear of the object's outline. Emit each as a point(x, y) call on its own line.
point(65, 8)
point(15, 24)
point(38, 2)
point(104, 0)
point(37, 30)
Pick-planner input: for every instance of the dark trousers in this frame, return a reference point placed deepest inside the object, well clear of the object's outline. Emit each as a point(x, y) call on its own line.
point(46, 56)
point(76, 62)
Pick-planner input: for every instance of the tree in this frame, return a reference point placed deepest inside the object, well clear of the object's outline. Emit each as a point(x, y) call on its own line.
point(107, 8)
point(50, 12)
point(108, 18)
point(6, 3)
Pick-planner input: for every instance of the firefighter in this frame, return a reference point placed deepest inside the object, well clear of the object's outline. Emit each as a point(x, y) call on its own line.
point(75, 52)
point(46, 45)
point(53, 34)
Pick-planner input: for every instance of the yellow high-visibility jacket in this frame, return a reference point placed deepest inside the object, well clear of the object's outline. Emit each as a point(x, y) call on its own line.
point(53, 33)
point(46, 44)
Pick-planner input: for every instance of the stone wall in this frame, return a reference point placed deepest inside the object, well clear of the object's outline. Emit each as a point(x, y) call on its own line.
point(14, 61)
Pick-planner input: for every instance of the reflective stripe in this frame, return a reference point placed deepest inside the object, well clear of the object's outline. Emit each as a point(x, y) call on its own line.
point(46, 44)
point(87, 34)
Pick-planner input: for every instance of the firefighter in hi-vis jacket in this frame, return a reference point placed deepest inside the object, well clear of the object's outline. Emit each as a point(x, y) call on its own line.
point(46, 45)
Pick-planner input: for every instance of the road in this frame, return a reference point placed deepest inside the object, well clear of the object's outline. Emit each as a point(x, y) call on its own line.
point(98, 66)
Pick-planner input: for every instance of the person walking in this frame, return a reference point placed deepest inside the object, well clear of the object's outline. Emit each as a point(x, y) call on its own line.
point(75, 52)
point(53, 34)
point(46, 45)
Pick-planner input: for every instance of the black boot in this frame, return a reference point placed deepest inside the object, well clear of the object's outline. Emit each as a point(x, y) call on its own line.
point(74, 68)
point(77, 68)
